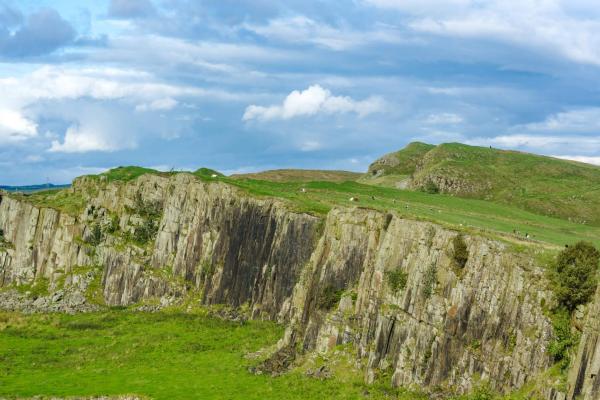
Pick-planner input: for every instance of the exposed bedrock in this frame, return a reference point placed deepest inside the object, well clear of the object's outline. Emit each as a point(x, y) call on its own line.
point(388, 286)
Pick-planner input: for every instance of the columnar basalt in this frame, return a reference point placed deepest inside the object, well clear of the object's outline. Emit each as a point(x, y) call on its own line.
point(443, 326)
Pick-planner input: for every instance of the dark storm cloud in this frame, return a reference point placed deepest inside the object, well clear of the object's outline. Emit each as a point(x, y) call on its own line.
point(40, 33)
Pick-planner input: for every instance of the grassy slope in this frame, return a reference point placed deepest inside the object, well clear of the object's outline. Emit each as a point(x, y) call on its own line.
point(456, 212)
point(166, 355)
point(403, 162)
point(300, 175)
point(544, 185)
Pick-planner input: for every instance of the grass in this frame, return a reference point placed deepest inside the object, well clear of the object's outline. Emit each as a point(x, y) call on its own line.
point(543, 185)
point(301, 175)
point(166, 355)
point(63, 200)
point(465, 214)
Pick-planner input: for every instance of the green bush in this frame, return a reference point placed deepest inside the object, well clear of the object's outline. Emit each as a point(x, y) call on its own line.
point(329, 298)
point(429, 281)
point(461, 253)
point(431, 187)
point(146, 232)
point(396, 279)
point(564, 339)
point(575, 274)
point(95, 237)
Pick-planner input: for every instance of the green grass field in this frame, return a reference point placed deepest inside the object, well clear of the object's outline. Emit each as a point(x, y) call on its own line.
point(466, 214)
point(165, 355)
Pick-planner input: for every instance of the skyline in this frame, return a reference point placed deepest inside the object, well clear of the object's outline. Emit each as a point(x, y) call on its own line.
point(241, 86)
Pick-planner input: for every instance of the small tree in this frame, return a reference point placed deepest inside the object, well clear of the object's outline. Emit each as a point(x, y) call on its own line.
point(575, 277)
point(461, 253)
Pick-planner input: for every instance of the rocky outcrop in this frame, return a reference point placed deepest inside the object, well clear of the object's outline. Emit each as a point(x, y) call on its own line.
point(388, 286)
point(584, 379)
point(447, 327)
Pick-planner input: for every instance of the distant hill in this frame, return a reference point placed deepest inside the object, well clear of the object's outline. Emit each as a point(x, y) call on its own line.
point(545, 185)
point(32, 188)
point(300, 175)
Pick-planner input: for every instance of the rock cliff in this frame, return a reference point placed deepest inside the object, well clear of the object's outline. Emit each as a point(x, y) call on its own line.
point(389, 287)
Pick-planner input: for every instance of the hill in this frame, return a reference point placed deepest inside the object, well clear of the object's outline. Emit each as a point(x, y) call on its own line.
point(300, 175)
point(544, 185)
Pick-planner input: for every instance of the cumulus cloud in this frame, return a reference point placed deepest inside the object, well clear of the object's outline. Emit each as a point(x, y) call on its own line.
point(15, 127)
point(88, 132)
point(312, 101)
point(42, 32)
point(129, 9)
point(94, 133)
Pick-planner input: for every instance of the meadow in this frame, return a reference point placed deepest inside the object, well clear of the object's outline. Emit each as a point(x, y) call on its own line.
point(164, 355)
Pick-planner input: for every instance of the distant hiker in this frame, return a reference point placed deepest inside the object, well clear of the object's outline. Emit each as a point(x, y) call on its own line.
point(526, 235)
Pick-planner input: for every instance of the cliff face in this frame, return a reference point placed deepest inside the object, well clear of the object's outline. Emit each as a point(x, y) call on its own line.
point(447, 326)
point(388, 286)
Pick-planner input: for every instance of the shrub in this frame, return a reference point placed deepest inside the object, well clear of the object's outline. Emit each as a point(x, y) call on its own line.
point(564, 339)
point(429, 281)
point(95, 236)
point(329, 297)
point(145, 232)
point(396, 279)
point(461, 254)
point(431, 187)
point(575, 272)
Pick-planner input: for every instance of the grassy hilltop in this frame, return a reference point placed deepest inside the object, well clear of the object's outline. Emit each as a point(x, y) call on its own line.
point(544, 185)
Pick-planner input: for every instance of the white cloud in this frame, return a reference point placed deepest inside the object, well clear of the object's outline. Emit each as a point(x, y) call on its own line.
point(583, 159)
point(542, 143)
point(51, 84)
point(443, 119)
point(165, 104)
point(577, 120)
point(15, 127)
point(80, 139)
point(554, 26)
point(312, 101)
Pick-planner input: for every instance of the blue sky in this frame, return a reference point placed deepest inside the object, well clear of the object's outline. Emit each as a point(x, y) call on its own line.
point(246, 85)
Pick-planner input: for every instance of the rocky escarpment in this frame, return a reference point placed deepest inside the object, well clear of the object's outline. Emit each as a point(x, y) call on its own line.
point(446, 327)
point(386, 286)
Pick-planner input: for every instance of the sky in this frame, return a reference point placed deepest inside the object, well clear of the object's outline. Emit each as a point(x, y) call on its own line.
point(248, 85)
